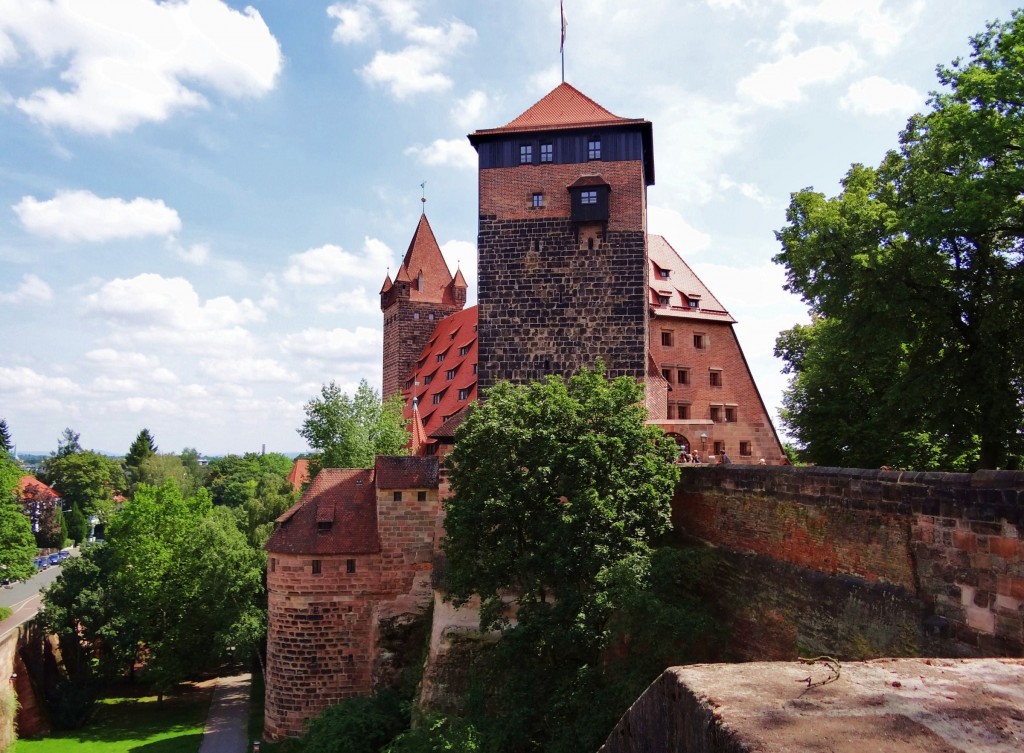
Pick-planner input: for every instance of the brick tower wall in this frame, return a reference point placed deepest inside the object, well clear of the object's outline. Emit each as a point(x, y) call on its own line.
point(407, 530)
point(548, 304)
point(405, 336)
point(319, 639)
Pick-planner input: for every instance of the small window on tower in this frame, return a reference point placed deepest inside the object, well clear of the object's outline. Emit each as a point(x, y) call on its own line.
point(594, 149)
point(525, 154)
point(397, 496)
point(547, 152)
point(350, 566)
point(421, 496)
point(464, 394)
point(538, 200)
point(666, 339)
point(315, 569)
point(588, 197)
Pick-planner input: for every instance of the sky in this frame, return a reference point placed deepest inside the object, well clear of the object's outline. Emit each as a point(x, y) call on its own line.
point(199, 200)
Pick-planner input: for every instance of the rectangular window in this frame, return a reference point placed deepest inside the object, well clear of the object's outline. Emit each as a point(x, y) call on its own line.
point(667, 374)
point(715, 378)
point(745, 448)
point(594, 149)
point(464, 393)
point(397, 496)
point(666, 339)
point(421, 496)
point(450, 375)
point(440, 357)
point(547, 152)
point(273, 564)
point(350, 566)
point(316, 567)
point(538, 200)
point(464, 350)
point(699, 342)
point(525, 154)
point(716, 413)
point(719, 448)
point(671, 411)
point(693, 303)
point(588, 197)
point(436, 400)
point(663, 300)
point(684, 411)
point(683, 376)
point(323, 526)
point(428, 379)
point(730, 414)
point(663, 273)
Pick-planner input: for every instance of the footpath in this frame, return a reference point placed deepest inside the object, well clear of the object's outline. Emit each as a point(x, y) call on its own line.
point(227, 724)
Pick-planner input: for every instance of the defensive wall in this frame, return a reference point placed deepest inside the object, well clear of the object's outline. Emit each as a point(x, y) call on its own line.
point(861, 564)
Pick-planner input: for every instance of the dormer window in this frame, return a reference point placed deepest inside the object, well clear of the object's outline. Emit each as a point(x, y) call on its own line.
point(526, 154)
point(663, 300)
point(440, 357)
point(323, 526)
point(663, 273)
point(590, 199)
point(451, 374)
point(594, 148)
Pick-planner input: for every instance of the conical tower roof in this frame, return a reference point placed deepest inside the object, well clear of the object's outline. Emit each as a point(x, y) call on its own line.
point(424, 265)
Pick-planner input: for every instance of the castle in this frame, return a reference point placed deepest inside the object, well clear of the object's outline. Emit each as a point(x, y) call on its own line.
point(567, 275)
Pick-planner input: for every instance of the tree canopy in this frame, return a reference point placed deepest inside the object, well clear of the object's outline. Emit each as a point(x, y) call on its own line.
point(914, 275)
point(349, 432)
point(86, 480)
point(143, 448)
point(17, 543)
point(6, 445)
point(559, 489)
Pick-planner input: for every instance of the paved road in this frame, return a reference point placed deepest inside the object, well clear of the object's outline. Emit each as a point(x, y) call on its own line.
point(227, 724)
point(24, 598)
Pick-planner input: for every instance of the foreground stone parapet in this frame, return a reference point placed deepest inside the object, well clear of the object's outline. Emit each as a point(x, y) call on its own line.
point(892, 705)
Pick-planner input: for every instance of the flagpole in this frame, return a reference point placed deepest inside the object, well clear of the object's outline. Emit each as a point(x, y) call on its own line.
point(561, 8)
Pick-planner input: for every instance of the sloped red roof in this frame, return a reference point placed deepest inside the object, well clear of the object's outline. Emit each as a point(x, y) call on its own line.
point(681, 286)
point(405, 472)
point(425, 268)
point(30, 484)
point(336, 515)
point(299, 474)
point(451, 348)
point(565, 106)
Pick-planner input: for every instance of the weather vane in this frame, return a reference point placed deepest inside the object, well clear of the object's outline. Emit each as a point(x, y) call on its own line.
point(423, 186)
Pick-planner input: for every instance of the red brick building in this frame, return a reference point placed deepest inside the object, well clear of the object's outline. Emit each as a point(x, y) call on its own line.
point(567, 275)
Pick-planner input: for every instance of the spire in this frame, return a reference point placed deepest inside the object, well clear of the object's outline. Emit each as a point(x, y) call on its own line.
point(424, 265)
point(417, 434)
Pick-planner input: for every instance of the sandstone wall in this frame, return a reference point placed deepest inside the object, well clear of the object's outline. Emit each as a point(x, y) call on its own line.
point(862, 563)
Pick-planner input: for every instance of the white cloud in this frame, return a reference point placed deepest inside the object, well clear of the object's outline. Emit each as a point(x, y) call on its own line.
point(882, 27)
point(31, 290)
point(746, 190)
point(355, 22)
point(111, 384)
point(468, 112)
point(875, 95)
point(82, 216)
point(680, 234)
point(357, 301)
point(783, 81)
point(23, 381)
point(171, 303)
point(461, 255)
point(247, 370)
point(197, 254)
point(126, 62)
point(457, 153)
point(418, 66)
point(340, 344)
point(329, 263)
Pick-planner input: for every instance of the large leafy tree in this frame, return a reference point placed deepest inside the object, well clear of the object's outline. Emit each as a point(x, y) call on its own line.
point(257, 489)
point(349, 432)
point(17, 544)
point(559, 489)
point(915, 279)
point(86, 480)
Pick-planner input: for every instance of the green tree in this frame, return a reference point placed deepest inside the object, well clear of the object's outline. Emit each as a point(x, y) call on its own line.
point(357, 725)
point(557, 488)
point(349, 432)
point(68, 443)
point(914, 275)
point(17, 544)
point(142, 448)
point(85, 480)
point(5, 437)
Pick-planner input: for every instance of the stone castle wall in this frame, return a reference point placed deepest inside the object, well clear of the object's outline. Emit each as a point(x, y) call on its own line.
point(549, 305)
point(862, 563)
point(408, 326)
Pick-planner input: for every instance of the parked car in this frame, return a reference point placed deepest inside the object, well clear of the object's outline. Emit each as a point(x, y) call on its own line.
point(41, 563)
point(54, 559)
point(63, 554)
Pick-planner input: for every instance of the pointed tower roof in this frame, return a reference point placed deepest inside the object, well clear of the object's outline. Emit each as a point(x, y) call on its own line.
point(417, 435)
point(424, 265)
point(387, 284)
point(459, 281)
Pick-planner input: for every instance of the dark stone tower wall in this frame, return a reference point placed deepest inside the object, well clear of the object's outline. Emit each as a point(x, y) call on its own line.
point(408, 326)
point(555, 295)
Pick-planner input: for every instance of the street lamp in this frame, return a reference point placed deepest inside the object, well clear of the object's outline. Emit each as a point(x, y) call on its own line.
point(703, 439)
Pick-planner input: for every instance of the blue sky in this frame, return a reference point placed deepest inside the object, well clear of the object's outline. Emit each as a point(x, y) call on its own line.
point(199, 200)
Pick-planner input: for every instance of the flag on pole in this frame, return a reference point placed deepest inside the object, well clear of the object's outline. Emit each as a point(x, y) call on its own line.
point(561, 7)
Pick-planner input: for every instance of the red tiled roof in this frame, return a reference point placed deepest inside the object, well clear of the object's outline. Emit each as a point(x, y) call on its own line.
point(563, 107)
point(405, 472)
point(589, 180)
point(27, 484)
point(681, 286)
point(299, 474)
point(344, 500)
point(424, 261)
point(439, 400)
point(447, 429)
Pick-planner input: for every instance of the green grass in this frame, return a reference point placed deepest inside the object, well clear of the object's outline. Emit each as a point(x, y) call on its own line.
point(5, 612)
point(135, 725)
